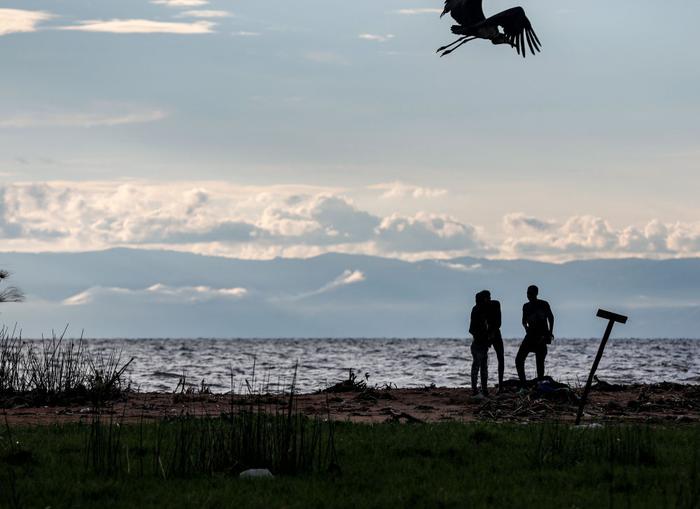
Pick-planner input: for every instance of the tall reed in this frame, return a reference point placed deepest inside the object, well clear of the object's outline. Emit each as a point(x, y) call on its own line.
point(257, 434)
point(57, 370)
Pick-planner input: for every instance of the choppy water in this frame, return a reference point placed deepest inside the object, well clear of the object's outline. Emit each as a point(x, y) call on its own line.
point(159, 363)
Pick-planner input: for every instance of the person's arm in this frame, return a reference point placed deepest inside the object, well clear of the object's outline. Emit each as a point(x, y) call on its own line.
point(550, 320)
point(472, 321)
point(525, 317)
point(497, 314)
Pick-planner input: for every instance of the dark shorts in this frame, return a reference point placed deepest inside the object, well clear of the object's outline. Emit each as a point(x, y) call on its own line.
point(533, 343)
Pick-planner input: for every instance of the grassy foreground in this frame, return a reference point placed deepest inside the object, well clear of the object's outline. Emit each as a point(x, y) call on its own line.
point(388, 465)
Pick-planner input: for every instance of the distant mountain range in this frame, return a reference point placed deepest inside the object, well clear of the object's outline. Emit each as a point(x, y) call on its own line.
point(146, 293)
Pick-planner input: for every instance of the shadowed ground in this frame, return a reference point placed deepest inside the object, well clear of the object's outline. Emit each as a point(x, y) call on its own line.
point(658, 403)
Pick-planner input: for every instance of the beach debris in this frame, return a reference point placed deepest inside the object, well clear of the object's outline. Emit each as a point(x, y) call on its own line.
point(395, 416)
point(256, 473)
point(591, 425)
point(549, 388)
point(603, 386)
point(350, 384)
point(612, 319)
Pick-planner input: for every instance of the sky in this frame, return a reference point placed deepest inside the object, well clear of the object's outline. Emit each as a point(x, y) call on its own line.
point(293, 128)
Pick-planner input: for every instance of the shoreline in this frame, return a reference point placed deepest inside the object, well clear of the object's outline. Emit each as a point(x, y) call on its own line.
point(662, 403)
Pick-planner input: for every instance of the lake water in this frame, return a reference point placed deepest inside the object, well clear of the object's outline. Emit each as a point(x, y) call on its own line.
point(158, 363)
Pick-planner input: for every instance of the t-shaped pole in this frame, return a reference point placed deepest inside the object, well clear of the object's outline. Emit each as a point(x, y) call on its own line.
point(612, 318)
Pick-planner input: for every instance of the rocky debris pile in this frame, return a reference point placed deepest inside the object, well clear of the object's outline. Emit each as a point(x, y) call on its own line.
point(539, 400)
point(667, 398)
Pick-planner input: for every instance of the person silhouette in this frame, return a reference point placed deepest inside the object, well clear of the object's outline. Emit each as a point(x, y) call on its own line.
point(493, 321)
point(538, 321)
point(479, 329)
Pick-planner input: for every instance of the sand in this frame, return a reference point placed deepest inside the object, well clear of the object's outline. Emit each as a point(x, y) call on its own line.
point(658, 403)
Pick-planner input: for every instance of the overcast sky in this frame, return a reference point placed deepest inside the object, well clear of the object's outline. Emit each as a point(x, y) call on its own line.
point(294, 127)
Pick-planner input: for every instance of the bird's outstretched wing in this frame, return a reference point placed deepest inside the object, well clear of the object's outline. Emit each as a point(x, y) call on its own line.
point(517, 29)
point(464, 12)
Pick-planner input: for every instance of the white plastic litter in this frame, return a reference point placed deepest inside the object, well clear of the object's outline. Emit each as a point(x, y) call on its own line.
point(593, 425)
point(256, 473)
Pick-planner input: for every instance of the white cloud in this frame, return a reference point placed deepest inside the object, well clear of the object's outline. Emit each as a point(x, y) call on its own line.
point(428, 232)
point(142, 26)
point(205, 14)
point(217, 218)
point(19, 20)
point(420, 10)
point(102, 117)
point(401, 190)
point(262, 222)
point(348, 277)
point(180, 3)
point(246, 34)
point(590, 236)
point(519, 221)
point(460, 267)
point(376, 37)
point(158, 293)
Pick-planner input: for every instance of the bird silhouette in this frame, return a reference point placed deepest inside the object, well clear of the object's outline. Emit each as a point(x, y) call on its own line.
point(474, 25)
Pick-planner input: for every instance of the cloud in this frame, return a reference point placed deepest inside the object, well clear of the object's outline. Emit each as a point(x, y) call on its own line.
point(428, 232)
point(341, 220)
point(205, 14)
point(142, 26)
point(401, 190)
point(19, 20)
point(157, 293)
point(246, 34)
point(227, 231)
point(106, 117)
point(376, 37)
point(217, 218)
point(518, 220)
point(8, 228)
point(263, 222)
point(348, 277)
point(460, 267)
point(180, 3)
point(420, 10)
point(591, 236)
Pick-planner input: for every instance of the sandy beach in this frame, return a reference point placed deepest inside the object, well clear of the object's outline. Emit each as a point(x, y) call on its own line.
point(663, 403)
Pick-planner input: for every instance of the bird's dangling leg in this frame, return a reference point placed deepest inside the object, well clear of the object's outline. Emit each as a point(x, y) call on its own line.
point(466, 40)
point(451, 44)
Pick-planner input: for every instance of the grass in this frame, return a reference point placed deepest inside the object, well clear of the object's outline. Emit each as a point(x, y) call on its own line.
point(57, 371)
point(388, 465)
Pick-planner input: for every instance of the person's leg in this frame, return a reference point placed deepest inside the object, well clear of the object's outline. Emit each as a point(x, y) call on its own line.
point(498, 347)
point(475, 368)
point(540, 356)
point(484, 370)
point(520, 361)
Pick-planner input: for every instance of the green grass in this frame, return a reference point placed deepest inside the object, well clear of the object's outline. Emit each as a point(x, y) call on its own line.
point(389, 465)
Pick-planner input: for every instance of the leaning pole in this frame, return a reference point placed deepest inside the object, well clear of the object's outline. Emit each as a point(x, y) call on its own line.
point(612, 319)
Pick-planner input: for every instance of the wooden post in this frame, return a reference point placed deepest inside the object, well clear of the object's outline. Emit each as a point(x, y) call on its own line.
point(612, 318)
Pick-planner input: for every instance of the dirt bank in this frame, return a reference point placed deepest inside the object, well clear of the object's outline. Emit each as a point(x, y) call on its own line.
point(658, 403)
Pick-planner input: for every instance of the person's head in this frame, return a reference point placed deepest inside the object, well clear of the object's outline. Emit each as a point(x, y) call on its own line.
point(480, 297)
point(532, 292)
point(487, 295)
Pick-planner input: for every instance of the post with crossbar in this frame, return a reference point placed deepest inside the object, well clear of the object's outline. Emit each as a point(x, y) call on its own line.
point(612, 318)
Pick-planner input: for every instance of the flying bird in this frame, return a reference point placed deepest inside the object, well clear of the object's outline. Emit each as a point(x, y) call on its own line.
point(474, 25)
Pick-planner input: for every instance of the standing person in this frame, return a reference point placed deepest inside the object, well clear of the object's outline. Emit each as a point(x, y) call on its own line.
point(478, 328)
point(538, 321)
point(493, 321)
